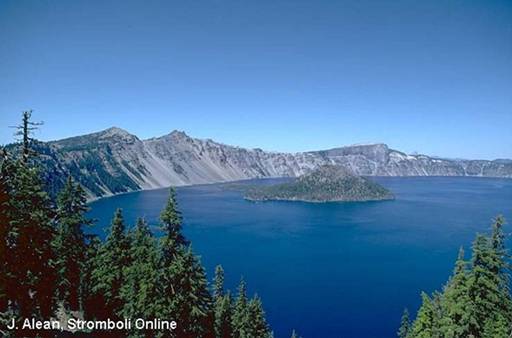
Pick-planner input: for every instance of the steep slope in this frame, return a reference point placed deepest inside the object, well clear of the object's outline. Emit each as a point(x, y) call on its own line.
point(114, 161)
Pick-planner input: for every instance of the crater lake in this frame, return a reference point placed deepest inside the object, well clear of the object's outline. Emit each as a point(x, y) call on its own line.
point(330, 269)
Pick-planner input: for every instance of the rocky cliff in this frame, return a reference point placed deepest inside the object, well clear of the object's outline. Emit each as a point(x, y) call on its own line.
point(114, 161)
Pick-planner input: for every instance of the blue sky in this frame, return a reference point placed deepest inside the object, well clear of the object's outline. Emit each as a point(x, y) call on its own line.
point(433, 77)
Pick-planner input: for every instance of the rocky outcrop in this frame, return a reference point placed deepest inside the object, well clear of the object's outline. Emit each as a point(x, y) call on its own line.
point(114, 161)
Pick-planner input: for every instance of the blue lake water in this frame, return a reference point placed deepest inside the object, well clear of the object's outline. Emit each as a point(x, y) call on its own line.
point(334, 269)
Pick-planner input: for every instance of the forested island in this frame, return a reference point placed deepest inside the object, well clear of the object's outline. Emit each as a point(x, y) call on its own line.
point(328, 183)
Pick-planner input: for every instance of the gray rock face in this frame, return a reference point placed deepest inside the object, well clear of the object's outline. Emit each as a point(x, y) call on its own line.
point(114, 161)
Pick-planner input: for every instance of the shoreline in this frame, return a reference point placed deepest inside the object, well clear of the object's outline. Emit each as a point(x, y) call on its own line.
point(94, 199)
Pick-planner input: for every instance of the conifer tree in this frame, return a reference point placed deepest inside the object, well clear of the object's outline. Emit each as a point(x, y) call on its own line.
point(483, 286)
point(500, 265)
point(424, 322)
point(182, 279)
point(29, 233)
point(437, 311)
point(89, 299)
point(223, 316)
point(171, 225)
point(405, 325)
point(488, 284)
point(218, 286)
point(139, 290)
point(70, 243)
point(222, 306)
point(258, 326)
point(190, 302)
point(107, 276)
point(25, 130)
point(240, 319)
point(456, 317)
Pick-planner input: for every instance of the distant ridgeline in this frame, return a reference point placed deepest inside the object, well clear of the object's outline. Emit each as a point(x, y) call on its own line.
point(328, 183)
point(114, 161)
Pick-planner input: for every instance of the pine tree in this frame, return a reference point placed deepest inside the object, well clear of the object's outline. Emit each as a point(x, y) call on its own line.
point(29, 233)
point(218, 286)
point(223, 316)
point(405, 325)
point(240, 319)
point(107, 276)
point(424, 323)
point(483, 286)
point(24, 130)
point(455, 304)
point(172, 224)
point(258, 327)
point(139, 290)
point(500, 265)
point(89, 299)
point(70, 243)
point(437, 314)
point(190, 302)
point(222, 306)
point(182, 279)
point(488, 283)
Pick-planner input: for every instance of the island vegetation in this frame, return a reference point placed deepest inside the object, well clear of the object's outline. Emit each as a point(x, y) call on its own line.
point(328, 183)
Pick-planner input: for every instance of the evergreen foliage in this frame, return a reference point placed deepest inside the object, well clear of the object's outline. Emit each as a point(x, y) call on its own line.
point(28, 272)
point(70, 243)
point(258, 326)
point(108, 274)
point(476, 301)
point(324, 184)
point(222, 306)
point(455, 301)
point(405, 325)
point(89, 299)
point(240, 319)
point(139, 293)
point(248, 319)
point(171, 225)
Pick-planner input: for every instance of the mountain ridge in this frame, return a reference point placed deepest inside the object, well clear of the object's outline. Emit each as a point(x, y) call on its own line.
point(114, 161)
